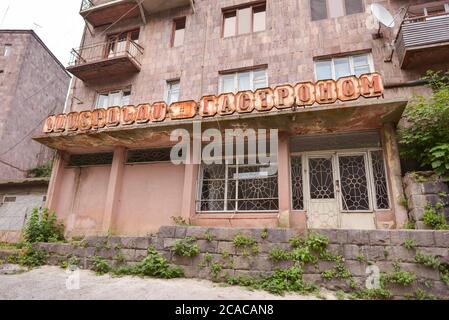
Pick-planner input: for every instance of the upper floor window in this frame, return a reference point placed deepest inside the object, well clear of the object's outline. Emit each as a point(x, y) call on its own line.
point(323, 9)
point(334, 68)
point(179, 26)
point(428, 11)
point(7, 51)
point(172, 91)
point(243, 80)
point(115, 98)
point(243, 20)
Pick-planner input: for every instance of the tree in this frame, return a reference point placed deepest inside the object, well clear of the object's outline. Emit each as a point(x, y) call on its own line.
point(425, 137)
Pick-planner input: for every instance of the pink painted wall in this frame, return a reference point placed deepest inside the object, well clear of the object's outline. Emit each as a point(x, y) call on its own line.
point(81, 198)
point(150, 195)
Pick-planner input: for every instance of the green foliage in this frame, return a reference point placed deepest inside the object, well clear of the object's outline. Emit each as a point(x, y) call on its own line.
point(100, 265)
point(207, 259)
point(409, 244)
point(340, 295)
point(264, 233)
point(403, 202)
point(208, 236)
point(427, 260)
point(372, 294)
point(296, 242)
point(426, 135)
point(244, 281)
point(43, 228)
point(399, 276)
point(225, 254)
point(303, 255)
point(31, 258)
point(215, 270)
point(180, 221)
point(155, 265)
point(361, 258)
point(241, 240)
point(422, 295)
point(433, 219)
point(338, 272)
point(186, 247)
point(287, 280)
point(410, 225)
point(317, 242)
point(278, 254)
point(42, 171)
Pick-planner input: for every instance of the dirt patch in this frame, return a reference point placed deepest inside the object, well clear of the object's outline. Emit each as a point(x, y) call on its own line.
point(50, 283)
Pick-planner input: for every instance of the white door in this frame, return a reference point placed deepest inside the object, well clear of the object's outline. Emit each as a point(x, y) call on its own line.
point(338, 191)
point(354, 188)
point(323, 211)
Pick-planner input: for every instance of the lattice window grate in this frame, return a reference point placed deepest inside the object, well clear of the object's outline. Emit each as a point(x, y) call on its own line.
point(148, 155)
point(90, 159)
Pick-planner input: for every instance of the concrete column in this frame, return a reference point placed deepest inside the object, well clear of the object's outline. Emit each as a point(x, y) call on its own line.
point(393, 164)
point(189, 194)
point(114, 186)
point(55, 180)
point(284, 180)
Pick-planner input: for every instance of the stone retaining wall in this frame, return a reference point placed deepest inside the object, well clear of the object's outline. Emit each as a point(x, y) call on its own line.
point(359, 249)
point(422, 189)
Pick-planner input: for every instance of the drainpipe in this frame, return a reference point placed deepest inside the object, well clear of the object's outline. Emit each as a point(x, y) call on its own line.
point(406, 84)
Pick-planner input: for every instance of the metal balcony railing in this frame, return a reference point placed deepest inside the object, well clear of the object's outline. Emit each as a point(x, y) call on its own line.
point(418, 32)
point(104, 51)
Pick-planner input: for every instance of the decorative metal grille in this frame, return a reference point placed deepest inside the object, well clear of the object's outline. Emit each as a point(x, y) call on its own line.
point(238, 188)
point(297, 183)
point(354, 185)
point(148, 155)
point(380, 180)
point(90, 159)
point(321, 178)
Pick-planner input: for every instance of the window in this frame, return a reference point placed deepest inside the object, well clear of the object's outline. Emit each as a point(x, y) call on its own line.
point(90, 159)
point(428, 11)
point(115, 98)
point(118, 43)
point(338, 67)
point(232, 187)
point(7, 51)
point(323, 9)
point(172, 91)
point(179, 26)
point(243, 80)
point(244, 20)
point(148, 155)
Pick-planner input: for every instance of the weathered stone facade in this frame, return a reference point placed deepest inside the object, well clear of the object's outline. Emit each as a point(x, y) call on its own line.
point(33, 85)
point(424, 189)
point(359, 249)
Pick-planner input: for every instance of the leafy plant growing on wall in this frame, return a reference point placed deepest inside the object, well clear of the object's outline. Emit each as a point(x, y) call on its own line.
point(43, 228)
point(186, 247)
point(425, 137)
point(42, 171)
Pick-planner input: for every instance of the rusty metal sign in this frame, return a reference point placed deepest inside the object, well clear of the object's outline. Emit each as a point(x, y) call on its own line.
point(303, 94)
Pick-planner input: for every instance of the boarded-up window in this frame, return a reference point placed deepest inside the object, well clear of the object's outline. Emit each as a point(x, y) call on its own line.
point(179, 26)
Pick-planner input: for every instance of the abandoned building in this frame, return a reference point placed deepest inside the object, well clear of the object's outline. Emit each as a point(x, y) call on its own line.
point(33, 85)
point(323, 73)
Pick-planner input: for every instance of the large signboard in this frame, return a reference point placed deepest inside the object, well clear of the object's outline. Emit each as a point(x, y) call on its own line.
point(303, 94)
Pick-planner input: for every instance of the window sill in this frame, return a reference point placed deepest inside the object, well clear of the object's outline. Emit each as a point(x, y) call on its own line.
point(243, 35)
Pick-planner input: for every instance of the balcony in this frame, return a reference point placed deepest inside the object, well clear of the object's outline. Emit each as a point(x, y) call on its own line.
point(108, 59)
point(103, 12)
point(423, 40)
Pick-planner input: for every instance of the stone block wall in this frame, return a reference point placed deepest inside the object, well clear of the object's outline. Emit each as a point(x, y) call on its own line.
point(422, 189)
point(359, 249)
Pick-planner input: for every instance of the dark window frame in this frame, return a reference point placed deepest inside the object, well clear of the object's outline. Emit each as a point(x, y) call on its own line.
point(173, 31)
point(328, 16)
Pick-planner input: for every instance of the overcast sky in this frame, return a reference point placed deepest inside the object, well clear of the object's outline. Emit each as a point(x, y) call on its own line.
point(57, 22)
